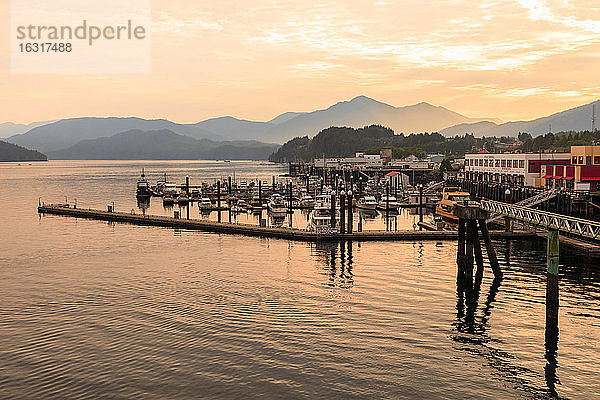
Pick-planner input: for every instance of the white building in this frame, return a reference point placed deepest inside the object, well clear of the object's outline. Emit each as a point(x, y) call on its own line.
point(519, 168)
point(358, 161)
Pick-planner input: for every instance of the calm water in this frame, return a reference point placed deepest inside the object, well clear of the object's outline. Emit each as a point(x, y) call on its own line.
point(90, 309)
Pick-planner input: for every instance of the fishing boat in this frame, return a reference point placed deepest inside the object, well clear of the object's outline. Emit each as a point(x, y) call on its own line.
point(320, 217)
point(276, 206)
point(388, 203)
point(445, 209)
point(367, 203)
point(143, 188)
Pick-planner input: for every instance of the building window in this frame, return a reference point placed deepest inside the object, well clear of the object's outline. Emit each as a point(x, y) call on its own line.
point(531, 166)
point(497, 163)
point(521, 163)
point(485, 163)
point(503, 163)
point(574, 161)
point(596, 159)
point(580, 160)
point(588, 160)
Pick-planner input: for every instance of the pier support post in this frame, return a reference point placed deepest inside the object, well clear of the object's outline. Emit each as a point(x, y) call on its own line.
point(350, 216)
point(387, 206)
point(273, 182)
point(478, 257)
point(551, 331)
point(420, 206)
point(332, 211)
point(218, 201)
point(469, 249)
point(489, 248)
point(460, 254)
point(187, 186)
point(552, 255)
point(260, 191)
point(342, 212)
point(291, 208)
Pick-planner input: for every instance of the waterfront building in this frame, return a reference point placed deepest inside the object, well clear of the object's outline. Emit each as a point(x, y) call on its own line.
point(517, 168)
point(581, 174)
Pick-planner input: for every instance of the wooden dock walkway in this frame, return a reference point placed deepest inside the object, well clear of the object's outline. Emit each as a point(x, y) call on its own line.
point(255, 230)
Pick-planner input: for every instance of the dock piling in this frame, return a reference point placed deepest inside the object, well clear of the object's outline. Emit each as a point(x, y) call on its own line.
point(468, 241)
point(219, 201)
point(332, 210)
point(552, 255)
point(350, 216)
point(489, 248)
point(342, 212)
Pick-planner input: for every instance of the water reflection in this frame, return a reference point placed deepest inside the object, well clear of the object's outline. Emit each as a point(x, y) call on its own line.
point(338, 262)
point(468, 289)
point(143, 203)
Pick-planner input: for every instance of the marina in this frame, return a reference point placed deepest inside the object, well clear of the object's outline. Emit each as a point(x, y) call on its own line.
point(294, 283)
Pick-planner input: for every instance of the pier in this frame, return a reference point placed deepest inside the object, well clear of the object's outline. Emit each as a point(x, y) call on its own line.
point(272, 232)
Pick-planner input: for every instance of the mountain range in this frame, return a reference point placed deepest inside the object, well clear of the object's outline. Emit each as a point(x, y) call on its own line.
point(575, 119)
point(56, 137)
point(8, 129)
point(162, 144)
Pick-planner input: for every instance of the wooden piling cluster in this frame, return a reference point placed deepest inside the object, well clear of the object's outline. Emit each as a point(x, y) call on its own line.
point(469, 246)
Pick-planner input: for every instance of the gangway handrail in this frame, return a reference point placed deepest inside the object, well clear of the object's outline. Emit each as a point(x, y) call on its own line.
point(577, 226)
point(533, 200)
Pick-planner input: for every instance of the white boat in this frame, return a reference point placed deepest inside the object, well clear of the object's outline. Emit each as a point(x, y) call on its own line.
point(388, 203)
point(204, 203)
point(276, 206)
point(367, 203)
point(320, 216)
point(307, 202)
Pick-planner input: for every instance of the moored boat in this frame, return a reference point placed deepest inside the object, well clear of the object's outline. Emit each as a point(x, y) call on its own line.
point(143, 187)
point(445, 209)
point(307, 202)
point(367, 203)
point(320, 216)
point(388, 203)
point(204, 203)
point(276, 206)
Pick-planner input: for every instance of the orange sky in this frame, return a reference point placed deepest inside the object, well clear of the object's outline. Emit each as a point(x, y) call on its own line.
point(517, 59)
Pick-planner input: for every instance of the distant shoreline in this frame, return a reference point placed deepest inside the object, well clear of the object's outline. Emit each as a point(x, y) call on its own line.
point(7, 161)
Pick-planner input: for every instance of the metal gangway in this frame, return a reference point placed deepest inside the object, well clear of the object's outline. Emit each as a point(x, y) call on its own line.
point(543, 219)
point(434, 187)
point(530, 201)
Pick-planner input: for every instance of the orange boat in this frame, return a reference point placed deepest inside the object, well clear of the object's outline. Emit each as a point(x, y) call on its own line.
point(444, 210)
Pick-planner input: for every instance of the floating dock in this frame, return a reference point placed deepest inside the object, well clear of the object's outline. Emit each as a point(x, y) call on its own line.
point(273, 232)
